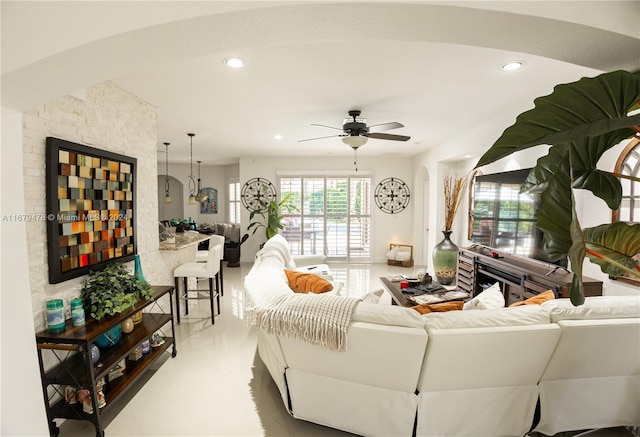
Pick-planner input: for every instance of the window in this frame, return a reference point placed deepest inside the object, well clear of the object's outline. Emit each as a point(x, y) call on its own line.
point(234, 202)
point(503, 218)
point(333, 216)
point(629, 164)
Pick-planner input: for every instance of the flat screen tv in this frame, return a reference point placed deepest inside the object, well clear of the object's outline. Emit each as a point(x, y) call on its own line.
point(504, 218)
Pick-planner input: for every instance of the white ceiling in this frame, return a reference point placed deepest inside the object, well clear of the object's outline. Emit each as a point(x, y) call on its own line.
point(433, 67)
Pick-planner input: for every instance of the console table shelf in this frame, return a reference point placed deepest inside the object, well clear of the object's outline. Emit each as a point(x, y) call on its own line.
point(75, 367)
point(520, 278)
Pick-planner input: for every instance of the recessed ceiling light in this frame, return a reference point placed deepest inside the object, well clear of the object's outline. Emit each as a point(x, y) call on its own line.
point(234, 62)
point(277, 137)
point(511, 66)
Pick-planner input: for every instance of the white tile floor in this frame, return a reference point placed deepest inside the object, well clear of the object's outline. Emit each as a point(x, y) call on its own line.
point(217, 385)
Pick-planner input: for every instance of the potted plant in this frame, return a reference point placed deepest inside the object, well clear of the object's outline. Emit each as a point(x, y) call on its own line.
point(580, 121)
point(271, 218)
point(112, 291)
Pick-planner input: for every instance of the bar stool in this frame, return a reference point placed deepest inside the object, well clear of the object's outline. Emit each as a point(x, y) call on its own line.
point(209, 269)
point(201, 256)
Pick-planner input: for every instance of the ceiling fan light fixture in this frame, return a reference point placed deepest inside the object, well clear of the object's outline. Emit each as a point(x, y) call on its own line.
point(355, 141)
point(234, 62)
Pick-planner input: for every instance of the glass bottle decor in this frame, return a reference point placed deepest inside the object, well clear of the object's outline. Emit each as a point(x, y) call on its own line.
point(137, 273)
point(445, 260)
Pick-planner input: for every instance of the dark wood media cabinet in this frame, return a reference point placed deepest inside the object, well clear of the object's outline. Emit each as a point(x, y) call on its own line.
point(520, 278)
point(71, 351)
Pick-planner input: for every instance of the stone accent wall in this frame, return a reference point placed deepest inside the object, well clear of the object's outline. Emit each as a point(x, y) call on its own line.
point(106, 117)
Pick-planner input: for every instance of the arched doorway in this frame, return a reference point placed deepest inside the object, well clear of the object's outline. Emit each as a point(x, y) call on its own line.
point(175, 209)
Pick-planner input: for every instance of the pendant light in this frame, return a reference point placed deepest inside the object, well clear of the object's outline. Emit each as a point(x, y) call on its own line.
point(192, 180)
point(167, 196)
point(201, 197)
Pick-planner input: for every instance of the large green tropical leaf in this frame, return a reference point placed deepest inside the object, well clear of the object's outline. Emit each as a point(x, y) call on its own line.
point(613, 246)
point(586, 108)
point(538, 178)
point(555, 213)
point(577, 253)
point(581, 121)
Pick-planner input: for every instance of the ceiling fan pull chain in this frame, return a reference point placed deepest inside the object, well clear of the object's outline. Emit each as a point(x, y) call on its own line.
point(355, 158)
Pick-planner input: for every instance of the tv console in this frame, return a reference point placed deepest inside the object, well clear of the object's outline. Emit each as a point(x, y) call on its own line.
point(520, 278)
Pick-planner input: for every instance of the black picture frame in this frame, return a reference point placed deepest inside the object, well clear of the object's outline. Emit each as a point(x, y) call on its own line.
point(91, 209)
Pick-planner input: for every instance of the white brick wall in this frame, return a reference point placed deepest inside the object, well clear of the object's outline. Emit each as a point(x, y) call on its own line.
point(112, 119)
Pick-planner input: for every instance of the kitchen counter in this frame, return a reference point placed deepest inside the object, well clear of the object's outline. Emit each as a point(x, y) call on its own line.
point(183, 240)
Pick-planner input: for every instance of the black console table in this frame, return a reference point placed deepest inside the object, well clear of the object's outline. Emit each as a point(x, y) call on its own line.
point(71, 349)
point(520, 278)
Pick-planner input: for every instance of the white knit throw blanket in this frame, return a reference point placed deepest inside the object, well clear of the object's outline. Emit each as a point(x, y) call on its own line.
point(317, 319)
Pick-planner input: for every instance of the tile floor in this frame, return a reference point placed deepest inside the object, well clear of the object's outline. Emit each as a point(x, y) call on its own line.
point(217, 385)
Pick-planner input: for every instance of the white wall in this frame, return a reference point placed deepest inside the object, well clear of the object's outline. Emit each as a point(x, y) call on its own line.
point(22, 412)
point(387, 228)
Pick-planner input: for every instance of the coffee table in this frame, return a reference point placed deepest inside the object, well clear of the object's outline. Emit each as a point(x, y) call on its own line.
point(407, 299)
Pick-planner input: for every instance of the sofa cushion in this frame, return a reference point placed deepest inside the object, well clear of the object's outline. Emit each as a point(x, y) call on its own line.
point(538, 299)
point(386, 315)
point(518, 316)
point(594, 307)
point(307, 282)
point(491, 298)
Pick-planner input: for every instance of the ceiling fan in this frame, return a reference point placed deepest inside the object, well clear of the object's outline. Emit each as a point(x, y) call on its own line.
point(355, 133)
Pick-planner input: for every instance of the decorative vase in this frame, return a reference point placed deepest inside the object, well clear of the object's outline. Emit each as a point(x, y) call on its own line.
point(137, 273)
point(445, 260)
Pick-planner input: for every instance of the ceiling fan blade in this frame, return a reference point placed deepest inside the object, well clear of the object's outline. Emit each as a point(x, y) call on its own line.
point(385, 126)
point(327, 127)
point(392, 137)
point(319, 138)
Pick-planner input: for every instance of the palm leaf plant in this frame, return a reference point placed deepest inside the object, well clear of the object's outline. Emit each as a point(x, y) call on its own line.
point(580, 121)
point(271, 216)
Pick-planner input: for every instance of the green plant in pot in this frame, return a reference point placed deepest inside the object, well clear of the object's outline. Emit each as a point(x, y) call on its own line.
point(112, 291)
point(271, 216)
point(580, 121)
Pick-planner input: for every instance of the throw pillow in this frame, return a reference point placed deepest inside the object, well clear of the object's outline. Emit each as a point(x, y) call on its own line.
point(307, 282)
point(536, 300)
point(491, 298)
point(427, 308)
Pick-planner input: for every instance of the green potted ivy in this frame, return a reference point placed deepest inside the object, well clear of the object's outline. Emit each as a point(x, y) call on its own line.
point(112, 290)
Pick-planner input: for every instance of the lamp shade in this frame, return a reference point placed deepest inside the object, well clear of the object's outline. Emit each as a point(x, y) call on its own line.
point(354, 141)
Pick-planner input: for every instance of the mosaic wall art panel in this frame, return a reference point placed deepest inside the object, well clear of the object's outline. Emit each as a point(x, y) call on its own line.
point(90, 209)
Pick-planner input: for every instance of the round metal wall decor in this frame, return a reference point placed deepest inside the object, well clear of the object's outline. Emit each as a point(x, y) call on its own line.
point(392, 195)
point(257, 193)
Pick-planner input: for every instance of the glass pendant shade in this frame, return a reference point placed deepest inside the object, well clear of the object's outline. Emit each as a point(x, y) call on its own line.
point(201, 197)
point(167, 196)
point(192, 180)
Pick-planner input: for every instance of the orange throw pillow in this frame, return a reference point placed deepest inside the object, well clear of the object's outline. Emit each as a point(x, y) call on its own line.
point(307, 282)
point(536, 300)
point(426, 308)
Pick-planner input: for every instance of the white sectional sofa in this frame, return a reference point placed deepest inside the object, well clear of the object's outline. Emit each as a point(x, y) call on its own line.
point(477, 373)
